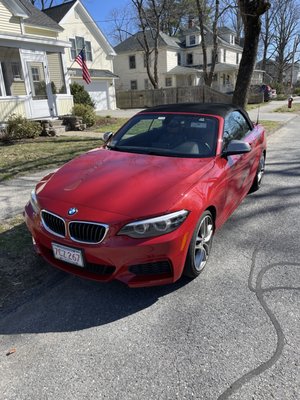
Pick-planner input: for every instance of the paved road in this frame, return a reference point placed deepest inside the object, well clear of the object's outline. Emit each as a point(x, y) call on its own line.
point(233, 333)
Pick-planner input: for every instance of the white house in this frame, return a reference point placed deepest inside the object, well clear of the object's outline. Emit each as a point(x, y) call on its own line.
point(80, 30)
point(31, 63)
point(130, 64)
point(180, 61)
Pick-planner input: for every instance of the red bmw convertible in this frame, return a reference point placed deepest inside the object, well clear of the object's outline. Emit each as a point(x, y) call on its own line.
point(144, 207)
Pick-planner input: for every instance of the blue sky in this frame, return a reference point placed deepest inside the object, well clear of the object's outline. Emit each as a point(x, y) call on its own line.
point(100, 10)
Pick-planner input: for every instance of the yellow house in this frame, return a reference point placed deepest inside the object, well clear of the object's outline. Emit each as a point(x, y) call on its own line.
point(81, 32)
point(34, 81)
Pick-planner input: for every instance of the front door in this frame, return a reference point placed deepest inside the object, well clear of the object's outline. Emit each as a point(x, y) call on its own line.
point(38, 86)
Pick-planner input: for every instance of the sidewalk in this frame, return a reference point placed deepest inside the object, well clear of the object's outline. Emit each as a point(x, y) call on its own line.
point(15, 193)
point(266, 111)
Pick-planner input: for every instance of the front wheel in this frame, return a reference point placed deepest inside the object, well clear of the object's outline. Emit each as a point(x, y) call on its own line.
point(200, 246)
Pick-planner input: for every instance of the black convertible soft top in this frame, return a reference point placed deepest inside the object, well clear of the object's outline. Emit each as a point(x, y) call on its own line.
point(220, 109)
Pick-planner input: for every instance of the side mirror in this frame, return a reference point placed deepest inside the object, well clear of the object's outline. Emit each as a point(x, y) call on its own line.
point(107, 136)
point(236, 147)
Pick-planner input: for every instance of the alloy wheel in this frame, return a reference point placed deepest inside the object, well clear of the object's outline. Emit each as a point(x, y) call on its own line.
point(203, 242)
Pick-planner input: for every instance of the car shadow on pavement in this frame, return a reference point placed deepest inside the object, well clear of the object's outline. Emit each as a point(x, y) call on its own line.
point(68, 303)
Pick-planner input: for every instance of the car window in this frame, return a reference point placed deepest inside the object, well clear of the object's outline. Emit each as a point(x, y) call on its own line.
point(176, 135)
point(236, 127)
point(143, 126)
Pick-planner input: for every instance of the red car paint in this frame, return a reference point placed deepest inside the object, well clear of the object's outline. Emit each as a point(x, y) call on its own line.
point(116, 188)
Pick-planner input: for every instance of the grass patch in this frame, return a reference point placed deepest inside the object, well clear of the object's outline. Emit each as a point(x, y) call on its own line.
point(32, 155)
point(270, 126)
point(108, 124)
point(284, 109)
point(250, 107)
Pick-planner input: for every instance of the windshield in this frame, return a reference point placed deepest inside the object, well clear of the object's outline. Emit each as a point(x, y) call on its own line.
point(175, 135)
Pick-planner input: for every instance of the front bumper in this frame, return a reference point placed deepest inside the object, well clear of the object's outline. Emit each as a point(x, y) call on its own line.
point(135, 262)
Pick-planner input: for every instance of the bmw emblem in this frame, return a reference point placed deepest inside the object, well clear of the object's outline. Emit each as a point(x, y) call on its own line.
point(72, 211)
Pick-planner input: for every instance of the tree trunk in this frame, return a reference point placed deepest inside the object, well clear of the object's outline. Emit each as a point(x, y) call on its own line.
point(251, 12)
point(252, 30)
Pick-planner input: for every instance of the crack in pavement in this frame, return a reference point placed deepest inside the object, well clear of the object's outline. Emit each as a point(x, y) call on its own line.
point(259, 292)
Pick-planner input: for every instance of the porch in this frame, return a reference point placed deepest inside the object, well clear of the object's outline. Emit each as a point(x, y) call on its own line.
point(183, 76)
point(33, 83)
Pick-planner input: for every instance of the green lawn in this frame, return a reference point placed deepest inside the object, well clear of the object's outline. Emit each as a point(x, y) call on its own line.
point(270, 126)
point(108, 124)
point(295, 108)
point(250, 107)
point(33, 155)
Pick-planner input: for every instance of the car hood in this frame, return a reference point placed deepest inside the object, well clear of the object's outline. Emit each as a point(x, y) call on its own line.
point(129, 184)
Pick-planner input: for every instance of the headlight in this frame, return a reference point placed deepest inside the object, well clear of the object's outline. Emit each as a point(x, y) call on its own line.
point(34, 201)
point(154, 226)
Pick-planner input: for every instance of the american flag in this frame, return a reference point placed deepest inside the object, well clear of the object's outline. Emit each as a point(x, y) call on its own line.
point(80, 59)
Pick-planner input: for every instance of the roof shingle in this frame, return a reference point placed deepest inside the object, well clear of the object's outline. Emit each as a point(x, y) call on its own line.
point(58, 12)
point(133, 42)
point(37, 17)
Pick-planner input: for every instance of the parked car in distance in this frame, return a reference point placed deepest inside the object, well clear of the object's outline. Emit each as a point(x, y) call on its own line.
point(267, 91)
point(144, 207)
point(273, 94)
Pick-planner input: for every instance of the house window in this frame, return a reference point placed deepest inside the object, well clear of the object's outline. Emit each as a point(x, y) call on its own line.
point(192, 40)
point(237, 58)
point(88, 51)
point(189, 58)
point(35, 74)
point(16, 71)
point(215, 78)
point(224, 55)
point(77, 45)
point(168, 82)
point(73, 49)
point(132, 64)
point(37, 80)
point(178, 59)
point(133, 85)
point(11, 73)
point(146, 84)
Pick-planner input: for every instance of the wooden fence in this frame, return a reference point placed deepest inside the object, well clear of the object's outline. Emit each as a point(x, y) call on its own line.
point(155, 97)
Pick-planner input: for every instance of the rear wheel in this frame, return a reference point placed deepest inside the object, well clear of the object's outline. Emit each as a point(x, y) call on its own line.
point(200, 246)
point(259, 175)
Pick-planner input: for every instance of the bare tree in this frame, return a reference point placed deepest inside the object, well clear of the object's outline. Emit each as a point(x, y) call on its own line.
point(285, 23)
point(233, 18)
point(150, 32)
point(251, 12)
point(123, 22)
point(43, 4)
point(267, 35)
point(175, 13)
point(209, 14)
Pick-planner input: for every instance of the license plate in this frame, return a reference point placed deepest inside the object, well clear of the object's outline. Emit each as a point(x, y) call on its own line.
point(68, 254)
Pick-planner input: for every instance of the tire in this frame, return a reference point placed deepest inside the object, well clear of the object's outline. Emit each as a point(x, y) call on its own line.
point(259, 174)
point(200, 246)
